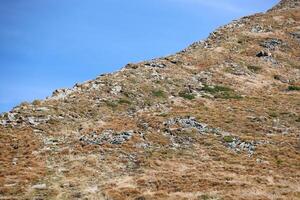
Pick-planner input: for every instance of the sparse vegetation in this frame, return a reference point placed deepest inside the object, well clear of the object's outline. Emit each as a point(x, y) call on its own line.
point(124, 101)
point(159, 93)
point(222, 92)
point(120, 136)
point(36, 102)
point(228, 139)
point(273, 114)
point(111, 104)
point(216, 89)
point(254, 69)
point(187, 95)
point(294, 88)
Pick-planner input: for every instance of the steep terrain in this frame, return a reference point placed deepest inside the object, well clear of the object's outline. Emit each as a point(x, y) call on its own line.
point(218, 120)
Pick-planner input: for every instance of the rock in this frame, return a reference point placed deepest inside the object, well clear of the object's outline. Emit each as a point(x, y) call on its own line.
point(121, 138)
point(267, 56)
point(31, 120)
point(3, 122)
point(271, 44)
point(36, 121)
point(281, 78)
point(238, 145)
point(156, 64)
point(296, 35)
point(40, 186)
point(263, 53)
point(107, 137)
point(15, 161)
point(257, 29)
point(11, 117)
point(116, 89)
point(43, 109)
point(187, 122)
point(60, 94)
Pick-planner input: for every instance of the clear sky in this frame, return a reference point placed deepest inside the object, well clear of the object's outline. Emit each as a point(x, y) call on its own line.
point(50, 44)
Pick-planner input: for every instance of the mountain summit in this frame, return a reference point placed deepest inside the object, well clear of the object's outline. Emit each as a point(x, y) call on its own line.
point(218, 120)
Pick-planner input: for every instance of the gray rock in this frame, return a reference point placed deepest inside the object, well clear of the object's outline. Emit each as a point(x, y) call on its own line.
point(121, 138)
point(11, 117)
point(60, 94)
point(156, 64)
point(37, 120)
point(116, 89)
point(187, 122)
point(281, 79)
point(3, 122)
point(257, 29)
point(40, 186)
point(296, 35)
point(260, 29)
point(271, 44)
point(238, 145)
point(107, 137)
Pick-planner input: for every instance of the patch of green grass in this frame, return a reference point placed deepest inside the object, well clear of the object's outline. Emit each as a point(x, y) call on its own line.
point(222, 92)
point(124, 101)
point(186, 95)
point(294, 88)
point(228, 139)
point(254, 69)
point(159, 93)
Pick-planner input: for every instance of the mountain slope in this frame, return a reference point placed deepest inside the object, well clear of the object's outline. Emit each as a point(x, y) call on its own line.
point(218, 120)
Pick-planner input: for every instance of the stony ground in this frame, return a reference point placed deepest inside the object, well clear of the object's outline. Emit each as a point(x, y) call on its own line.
point(218, 120)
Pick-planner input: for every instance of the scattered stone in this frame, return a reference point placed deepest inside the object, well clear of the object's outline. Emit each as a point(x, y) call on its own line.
point(156, 64)
point(116, 89)
point(260, 29)
point(187, 122)
point(107, 137)
point(60, 94)
point(257, 29)
point(38, 120)
point(271, 44)
point(238, 145)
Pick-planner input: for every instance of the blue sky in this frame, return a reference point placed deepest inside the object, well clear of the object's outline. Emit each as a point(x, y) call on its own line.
point(50, 44)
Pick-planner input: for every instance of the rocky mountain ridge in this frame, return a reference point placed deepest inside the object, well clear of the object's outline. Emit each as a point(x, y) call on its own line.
point(218, 120)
